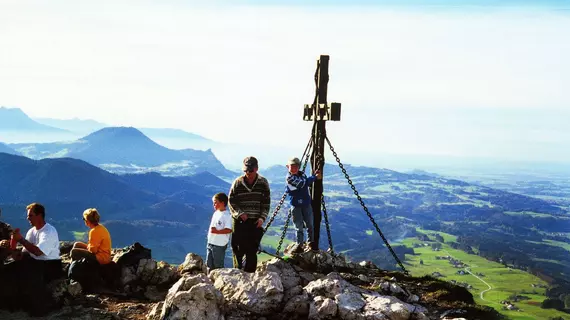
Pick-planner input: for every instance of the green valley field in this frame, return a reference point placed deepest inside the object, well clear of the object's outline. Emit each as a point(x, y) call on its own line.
point(490, 282)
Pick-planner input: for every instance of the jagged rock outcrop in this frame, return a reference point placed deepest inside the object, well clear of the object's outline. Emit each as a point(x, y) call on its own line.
point(146, 281)
point(193, 264)
point(301, 288)
point(260, 293)
point(192, 297)
point(149, 278)
point(309, 285)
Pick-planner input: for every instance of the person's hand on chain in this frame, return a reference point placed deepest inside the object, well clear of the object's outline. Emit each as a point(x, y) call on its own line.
point(318, 174)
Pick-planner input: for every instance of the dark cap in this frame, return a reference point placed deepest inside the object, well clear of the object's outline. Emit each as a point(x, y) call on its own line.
point(249, 163)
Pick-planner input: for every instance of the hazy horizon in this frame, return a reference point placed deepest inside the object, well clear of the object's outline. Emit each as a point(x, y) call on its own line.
point(482, 80)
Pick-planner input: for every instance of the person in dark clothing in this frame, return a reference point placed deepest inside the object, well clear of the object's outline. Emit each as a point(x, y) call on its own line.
point(249, 201)
point(5, 233)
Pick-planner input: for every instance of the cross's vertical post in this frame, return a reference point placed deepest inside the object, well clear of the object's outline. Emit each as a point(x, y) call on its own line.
point(318, 155)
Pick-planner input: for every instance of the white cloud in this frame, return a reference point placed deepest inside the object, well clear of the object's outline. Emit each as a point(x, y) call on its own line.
point(228, 72)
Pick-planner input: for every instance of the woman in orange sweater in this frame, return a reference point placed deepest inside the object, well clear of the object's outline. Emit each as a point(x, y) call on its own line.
point(99, 244)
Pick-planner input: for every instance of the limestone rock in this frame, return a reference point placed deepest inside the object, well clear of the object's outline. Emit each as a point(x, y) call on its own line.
point(392, 308)
point(193, 264)
point(322, 308)
point(129, 312)
point(145, 270)
point(153, 294)
point(394, 288)
point(295, 291)
point(193, 297)
point(155, 312)
point(330, 286)
point(148, 272)
point(185, 283)
point(298, 305)
point(321, 261)
point(364, 278)
point(289, 276)
point(128, 275)
point(164, 274)
point(260, 292)
point(350, 305)
point(307, 277)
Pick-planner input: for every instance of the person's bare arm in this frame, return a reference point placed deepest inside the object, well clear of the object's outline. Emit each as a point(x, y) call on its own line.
point(31, 247)
point(223, 231)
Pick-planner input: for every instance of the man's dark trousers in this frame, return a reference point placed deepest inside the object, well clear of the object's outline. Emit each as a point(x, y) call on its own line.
point(245, 243)
point(26, 280)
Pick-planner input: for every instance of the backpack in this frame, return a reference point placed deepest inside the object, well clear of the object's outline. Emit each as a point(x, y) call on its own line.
point(133, 255)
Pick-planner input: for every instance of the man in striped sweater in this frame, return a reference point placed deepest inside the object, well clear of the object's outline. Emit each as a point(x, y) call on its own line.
point(249, 201)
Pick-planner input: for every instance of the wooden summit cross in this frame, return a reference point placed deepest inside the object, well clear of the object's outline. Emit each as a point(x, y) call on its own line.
point(319, 112)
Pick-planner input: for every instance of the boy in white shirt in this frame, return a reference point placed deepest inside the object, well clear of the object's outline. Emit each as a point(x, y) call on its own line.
point(219, 232)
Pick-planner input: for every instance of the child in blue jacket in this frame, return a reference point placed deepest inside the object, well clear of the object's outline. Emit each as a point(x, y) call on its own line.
point(300, 199)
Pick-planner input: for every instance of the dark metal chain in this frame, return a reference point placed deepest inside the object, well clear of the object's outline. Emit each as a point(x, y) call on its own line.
point(364, 206)
point(275, 212)
point(307, 154)
point(307, 149)
point(284, 233)
point(327, 224)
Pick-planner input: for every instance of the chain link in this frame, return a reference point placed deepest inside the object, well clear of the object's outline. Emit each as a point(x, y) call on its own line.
point(327, 225)
point(307, 149)
point(284, 233)
point(364, 206)
point(275, 212)
point(306, 155)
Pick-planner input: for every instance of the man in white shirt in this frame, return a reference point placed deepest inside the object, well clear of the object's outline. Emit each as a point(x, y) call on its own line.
point(35, 265)
point(42, 240)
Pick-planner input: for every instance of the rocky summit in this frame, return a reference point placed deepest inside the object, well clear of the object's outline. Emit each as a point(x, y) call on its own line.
point(308, 285)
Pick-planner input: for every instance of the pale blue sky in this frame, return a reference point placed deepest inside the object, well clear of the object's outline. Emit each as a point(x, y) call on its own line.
point(481, 79)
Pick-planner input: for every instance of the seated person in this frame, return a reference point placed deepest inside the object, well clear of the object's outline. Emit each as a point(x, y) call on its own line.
point(5, 233)
point(33, 267)
point(99, 243)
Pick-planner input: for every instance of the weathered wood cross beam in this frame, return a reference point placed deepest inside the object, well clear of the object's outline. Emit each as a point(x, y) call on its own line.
point(320, 112)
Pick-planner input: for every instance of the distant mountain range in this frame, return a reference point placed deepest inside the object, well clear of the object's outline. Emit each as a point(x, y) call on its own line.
point(116, 149)
point(76, 125)
point(5, 149)
point(14, 119)
point(198, 188)
point(160, 135)
point(127, 150)
point(163, 198)
point(171, 214)
point(17, 127)
point(68, 186)
point(69, 130)
point(66, 181)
